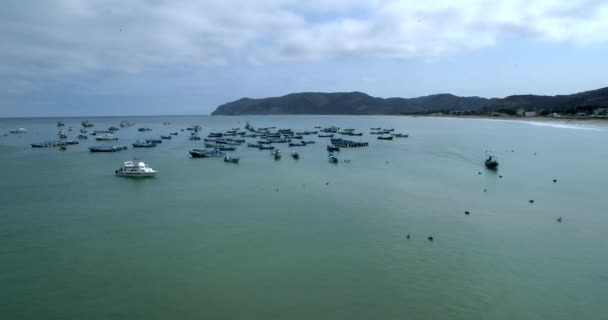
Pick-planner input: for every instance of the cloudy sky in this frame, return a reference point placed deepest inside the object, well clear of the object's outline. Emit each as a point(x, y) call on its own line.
point(116, 57)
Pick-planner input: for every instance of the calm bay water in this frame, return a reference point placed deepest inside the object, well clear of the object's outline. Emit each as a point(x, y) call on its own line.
point(207, 239)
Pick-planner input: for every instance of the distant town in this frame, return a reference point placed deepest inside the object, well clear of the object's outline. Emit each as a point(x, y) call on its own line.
point(576, 113)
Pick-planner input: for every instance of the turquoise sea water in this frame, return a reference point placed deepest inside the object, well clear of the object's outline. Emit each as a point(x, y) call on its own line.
point(305, 239)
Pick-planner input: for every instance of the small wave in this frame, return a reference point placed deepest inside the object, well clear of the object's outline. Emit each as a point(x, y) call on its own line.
point(563, 126)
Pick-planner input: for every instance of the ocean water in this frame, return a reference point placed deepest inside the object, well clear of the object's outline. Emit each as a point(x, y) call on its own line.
point(306, 239)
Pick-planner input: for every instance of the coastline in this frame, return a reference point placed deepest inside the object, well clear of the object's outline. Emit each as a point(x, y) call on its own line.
point(586, 121)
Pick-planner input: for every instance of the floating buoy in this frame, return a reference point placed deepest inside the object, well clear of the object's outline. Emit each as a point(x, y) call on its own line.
point(479, 172)
point(430, 238)
point(500, 176)
point(554, 180)
point(466, 212)
point(484, 190)
point(531, 201)
point(559, 219)
point(407, 237)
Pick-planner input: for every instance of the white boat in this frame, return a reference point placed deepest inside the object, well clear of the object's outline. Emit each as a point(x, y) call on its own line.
point(126, 124)
point(20, 130)
point(135, 168)
point(62, 134)
point(86, 124)
point(106, 137)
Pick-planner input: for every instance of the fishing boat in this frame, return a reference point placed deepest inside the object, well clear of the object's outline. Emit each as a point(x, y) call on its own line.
point(82, 136)
point(144, 129)
point(126, 124)
point(295, 155)
point(330, 135)
point(157, 141)
point(332, 158)
point(83, 130)
point(297, 144)
point(376, 132)
point(347, 143)
point(144, 144)
point(135, 169)
point(400, 135)
point(106, 137)
point(491, 163)
point(113, 128)
point(375, 128)
point(107, 148)
point(62, 134)
point(332, 129)
point(194, 137)
point(173, 133)
point(166, 137)
point(332, 148)
point(199, 153)
point(265, 147)
point(276, 154)
point(231, 159)
point(60, 124)
point(20, 130)
point(87, 124)
point(100, 132)
point(385, 138)
point(48, 144)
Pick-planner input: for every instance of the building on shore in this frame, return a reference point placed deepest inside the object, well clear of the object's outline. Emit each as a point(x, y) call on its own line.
point(600, 111)
point(530, 114)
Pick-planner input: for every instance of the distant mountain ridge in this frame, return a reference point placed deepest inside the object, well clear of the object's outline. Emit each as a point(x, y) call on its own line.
point(358, 103)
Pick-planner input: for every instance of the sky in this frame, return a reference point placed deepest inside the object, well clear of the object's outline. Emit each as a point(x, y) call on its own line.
point(157, 57)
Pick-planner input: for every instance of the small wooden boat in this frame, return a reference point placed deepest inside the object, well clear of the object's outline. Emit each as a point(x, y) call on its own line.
point(231, 159)
point(491, 163)
point(332, 158)
point(332, 148)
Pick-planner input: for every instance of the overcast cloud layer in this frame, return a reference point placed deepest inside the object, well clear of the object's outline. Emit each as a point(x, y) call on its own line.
point(72, 35)
point(65, 37)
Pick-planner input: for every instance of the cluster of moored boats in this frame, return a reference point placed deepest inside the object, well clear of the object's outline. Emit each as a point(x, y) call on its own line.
point(218, 143)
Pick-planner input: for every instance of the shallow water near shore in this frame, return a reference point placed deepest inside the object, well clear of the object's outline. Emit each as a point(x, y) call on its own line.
point(306, 239)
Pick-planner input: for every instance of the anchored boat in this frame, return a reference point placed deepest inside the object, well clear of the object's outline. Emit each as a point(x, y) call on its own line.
point(231, 159)
point(491, 163)
point(135, 168)
point(200, 153)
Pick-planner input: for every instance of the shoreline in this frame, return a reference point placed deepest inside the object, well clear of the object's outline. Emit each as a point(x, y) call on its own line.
point(524, 119)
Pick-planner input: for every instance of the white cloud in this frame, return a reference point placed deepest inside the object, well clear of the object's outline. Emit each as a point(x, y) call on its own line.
point(60, 36)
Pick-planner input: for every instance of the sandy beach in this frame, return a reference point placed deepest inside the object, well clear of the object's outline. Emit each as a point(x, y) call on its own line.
point(584, 121)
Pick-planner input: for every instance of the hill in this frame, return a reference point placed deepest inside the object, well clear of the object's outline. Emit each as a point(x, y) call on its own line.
point(358, 103)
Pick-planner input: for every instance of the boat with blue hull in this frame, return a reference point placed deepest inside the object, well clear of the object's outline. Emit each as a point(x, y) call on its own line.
point(203, 153)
